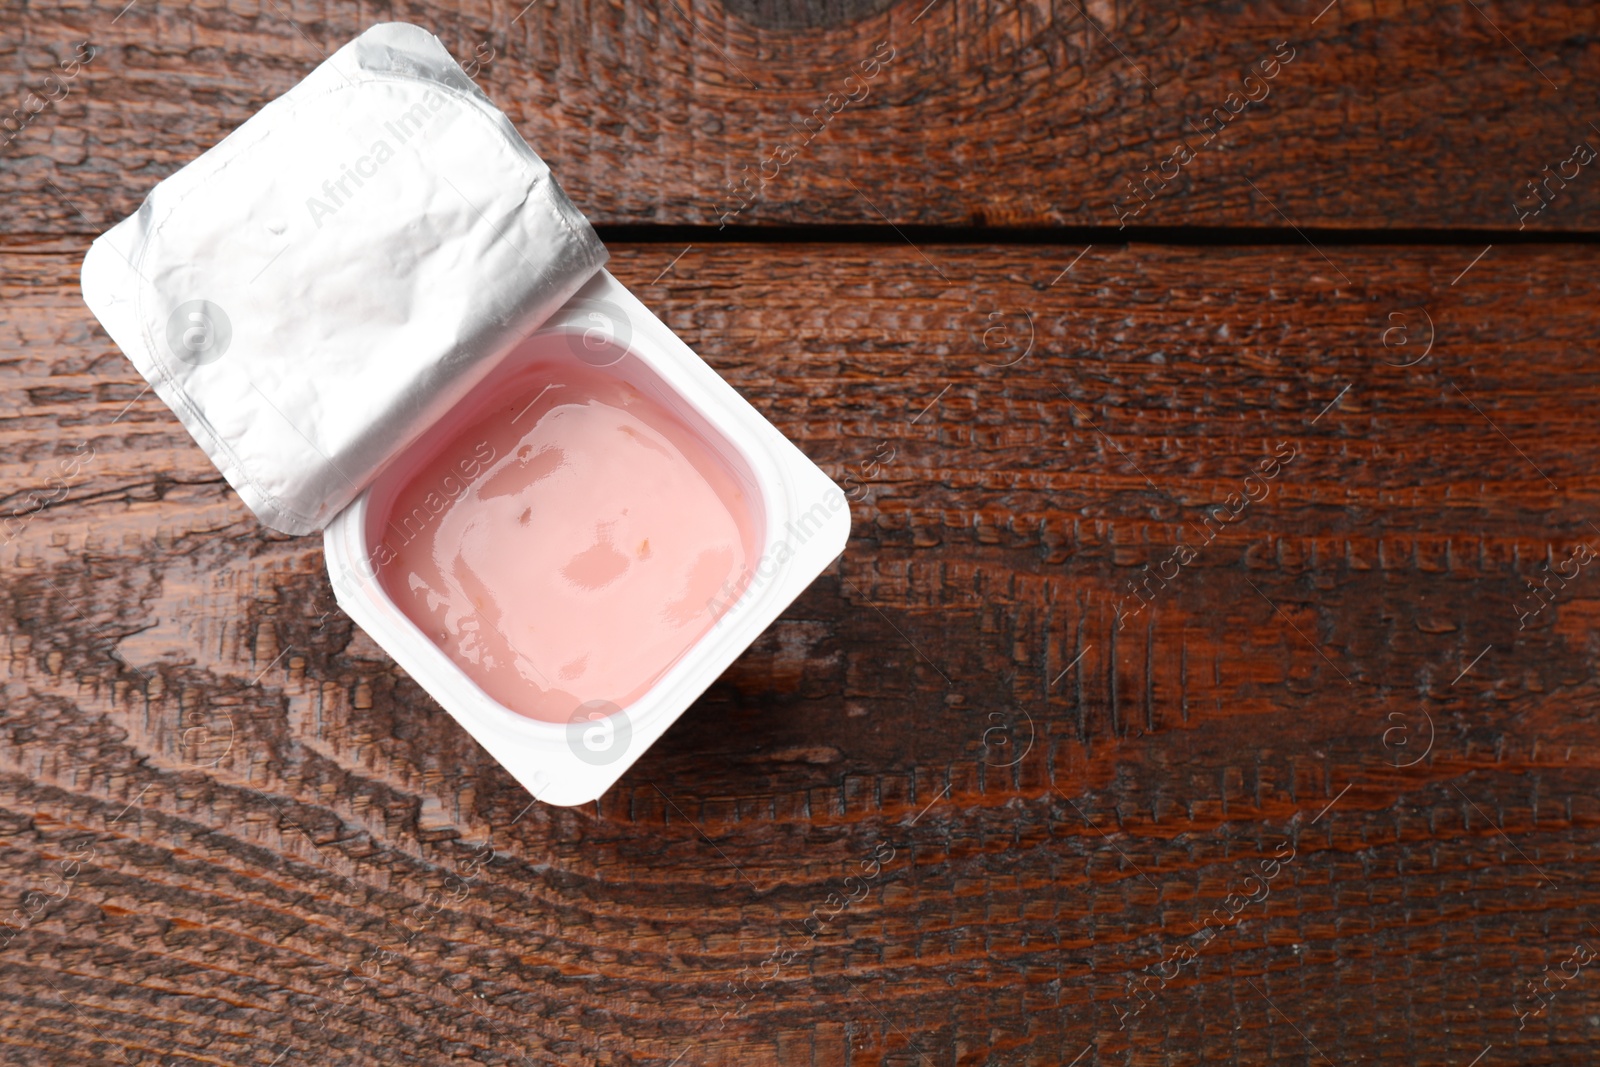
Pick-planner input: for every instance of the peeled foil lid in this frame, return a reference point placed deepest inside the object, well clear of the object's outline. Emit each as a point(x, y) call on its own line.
point(312, 293)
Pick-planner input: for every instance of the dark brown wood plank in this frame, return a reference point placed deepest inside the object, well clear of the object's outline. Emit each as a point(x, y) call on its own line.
point(268, 846)
point(1017, 115)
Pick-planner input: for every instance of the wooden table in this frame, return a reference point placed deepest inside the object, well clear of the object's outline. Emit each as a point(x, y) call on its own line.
point(1101, 744)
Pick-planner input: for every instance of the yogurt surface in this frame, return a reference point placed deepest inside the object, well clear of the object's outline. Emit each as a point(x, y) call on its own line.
point(569, 545)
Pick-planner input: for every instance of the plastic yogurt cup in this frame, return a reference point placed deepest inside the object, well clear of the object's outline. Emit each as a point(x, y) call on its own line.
point(377, 312)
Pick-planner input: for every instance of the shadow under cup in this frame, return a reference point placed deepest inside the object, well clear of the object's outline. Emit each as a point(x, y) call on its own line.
point(569, 531)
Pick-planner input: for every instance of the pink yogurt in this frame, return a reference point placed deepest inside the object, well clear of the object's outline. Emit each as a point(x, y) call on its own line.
point(571, 543)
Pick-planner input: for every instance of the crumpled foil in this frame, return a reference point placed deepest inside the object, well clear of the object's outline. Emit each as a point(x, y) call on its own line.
point(312, 293)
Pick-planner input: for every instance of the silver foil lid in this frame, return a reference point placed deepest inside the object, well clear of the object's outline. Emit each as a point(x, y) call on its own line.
point(312, 293)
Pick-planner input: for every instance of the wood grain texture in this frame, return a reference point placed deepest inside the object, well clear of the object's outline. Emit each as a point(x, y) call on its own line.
point(1017, 114)
point(235, 833)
